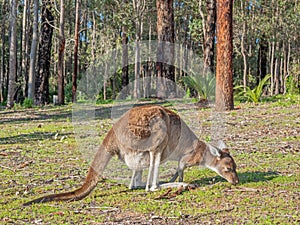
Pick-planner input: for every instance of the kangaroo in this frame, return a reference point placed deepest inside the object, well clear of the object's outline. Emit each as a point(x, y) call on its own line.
point(144, 137)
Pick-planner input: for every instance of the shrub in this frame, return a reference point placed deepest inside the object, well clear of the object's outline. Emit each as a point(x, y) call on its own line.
point(28, 103)
point(253, 95)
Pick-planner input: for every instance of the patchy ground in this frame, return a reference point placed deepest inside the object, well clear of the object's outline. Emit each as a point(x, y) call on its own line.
point(39, 155)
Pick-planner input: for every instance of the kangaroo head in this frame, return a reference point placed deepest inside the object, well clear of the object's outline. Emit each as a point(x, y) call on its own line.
point(223, 163)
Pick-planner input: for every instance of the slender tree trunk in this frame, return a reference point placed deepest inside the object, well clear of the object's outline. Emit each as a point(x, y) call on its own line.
point(12, 54)
point(31, 76)
point(125, 79)
point(136, 92)
point(272, 53)
point(165, 33)
point(44, 58)
point(262, 58)
point(139, 7)
point(286, 66)
point(105, 81)
point(61, 55)
point(209, 27)
point(148, 67)
point(281, 72)
point(114, 85)
point(25, 38)
point(74, 77)
point(224, 80)
point(276, 71)
point(94, 39)
point(3, 41)
point(244, 54)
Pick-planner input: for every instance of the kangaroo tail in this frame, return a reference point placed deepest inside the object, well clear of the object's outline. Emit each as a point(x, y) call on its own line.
point(100, 161)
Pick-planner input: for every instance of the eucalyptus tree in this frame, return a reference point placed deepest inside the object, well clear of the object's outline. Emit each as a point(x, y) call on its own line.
point(3, 16)
point(165, 34)
point(12, 54)
point(61, 56)
point(44, 55)
point(33, 51)
point(224, 70)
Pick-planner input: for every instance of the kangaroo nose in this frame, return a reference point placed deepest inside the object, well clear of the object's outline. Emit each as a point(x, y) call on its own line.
point(236, 181)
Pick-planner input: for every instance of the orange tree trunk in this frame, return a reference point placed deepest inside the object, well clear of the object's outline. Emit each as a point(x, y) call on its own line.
point(224, 72)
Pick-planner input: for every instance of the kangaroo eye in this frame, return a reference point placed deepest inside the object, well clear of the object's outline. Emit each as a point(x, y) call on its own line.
point(228, 170)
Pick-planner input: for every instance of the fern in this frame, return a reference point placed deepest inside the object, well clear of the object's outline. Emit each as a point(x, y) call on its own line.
point(254, 95)
point(203, 85)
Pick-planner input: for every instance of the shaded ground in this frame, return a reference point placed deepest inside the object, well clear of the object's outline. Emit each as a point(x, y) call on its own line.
point(39, 155)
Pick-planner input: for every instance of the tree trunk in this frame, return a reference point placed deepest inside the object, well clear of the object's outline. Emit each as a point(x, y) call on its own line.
point(114, 77)
point(224, 80)
point(139, 7)
point(74, 77)
point(165, 33)
point(105, 81)
point(209, 27)
point(136, 91)
point(3, 41)
point(25, 39)
point(44, 57)
point(125, 79)
point(276, 70)
point(282, 69)
point(12, 54)
point(262, 58)
point(272, 53)
point(31, 76)
point(244, 54)
point(286, 66)
point(61, 55)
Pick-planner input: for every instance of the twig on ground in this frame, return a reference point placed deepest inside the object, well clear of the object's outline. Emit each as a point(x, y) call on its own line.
point(8, 168)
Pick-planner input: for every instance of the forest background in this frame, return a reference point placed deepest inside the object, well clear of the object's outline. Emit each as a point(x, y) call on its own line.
point(47, 46)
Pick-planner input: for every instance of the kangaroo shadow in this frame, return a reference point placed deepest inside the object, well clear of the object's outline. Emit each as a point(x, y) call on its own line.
point(245, 177)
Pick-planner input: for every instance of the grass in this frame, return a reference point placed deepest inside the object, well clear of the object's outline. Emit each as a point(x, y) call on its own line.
point(39, 155)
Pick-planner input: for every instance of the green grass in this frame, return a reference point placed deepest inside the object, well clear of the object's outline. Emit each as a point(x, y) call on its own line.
point(39, 155)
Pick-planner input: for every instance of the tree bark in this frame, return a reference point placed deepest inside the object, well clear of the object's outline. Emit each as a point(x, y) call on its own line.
point(44, 57)
point(262, 58)
point(12, 54)
point(272, 53)
point(75, 72)
point(209, 27)
point(3, 41)
point(25, 43)
point(165, 33)
point(224, 71)
point(125, 79)
point(32, 62)
point(244, 54)
point(139, 8)
point(61, 55)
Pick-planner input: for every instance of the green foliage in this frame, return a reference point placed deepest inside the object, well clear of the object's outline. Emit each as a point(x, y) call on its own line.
point(68, 92)
point(204, 85)
point(253, 95)
point(28, 103)
point(292, 82)
point(103, 102)
point(187, 93)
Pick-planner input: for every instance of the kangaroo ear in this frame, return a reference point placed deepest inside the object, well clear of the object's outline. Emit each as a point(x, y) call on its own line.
point(225, 150)
point(221, 144)
point(214, 151)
